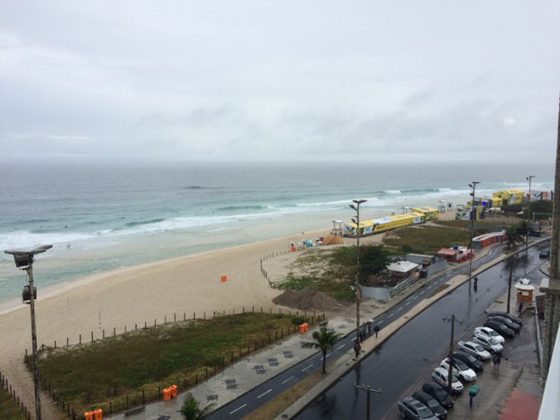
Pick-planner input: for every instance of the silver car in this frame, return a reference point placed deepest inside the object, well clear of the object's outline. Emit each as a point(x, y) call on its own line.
point(411, 408)
point(489, 333)
point(475, 349)
point(489, 344)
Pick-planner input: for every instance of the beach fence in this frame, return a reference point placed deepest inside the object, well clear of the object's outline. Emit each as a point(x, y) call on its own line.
point(265, 274)
point(132, 403)
point(15, 398)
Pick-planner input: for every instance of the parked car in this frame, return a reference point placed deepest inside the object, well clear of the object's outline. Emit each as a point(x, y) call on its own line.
point(411, 408)
point(439, 393)
point(506, 321)
point(440, 376)
point(469, 360)
point(507, 315)
point(474, 349)
point(431, 403)
point(500, 328)
point(489, 333)
point(488, 343)
point(545, 253)
point(460, 368)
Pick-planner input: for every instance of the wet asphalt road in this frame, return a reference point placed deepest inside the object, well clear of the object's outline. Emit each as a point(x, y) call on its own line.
point(267, 391)
point(407, 359)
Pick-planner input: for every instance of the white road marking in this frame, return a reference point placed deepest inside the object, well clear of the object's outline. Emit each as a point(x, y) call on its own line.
point(408, 302)
point(238, 408)
point(264, 393)
point(304, 369)
point(339, 347)
point(286, 380)
point(380, 322)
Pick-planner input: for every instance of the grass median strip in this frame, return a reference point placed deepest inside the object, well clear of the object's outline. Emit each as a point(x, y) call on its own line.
point(120, 369)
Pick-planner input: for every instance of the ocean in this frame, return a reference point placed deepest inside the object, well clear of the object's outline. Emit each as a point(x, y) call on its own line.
point(103, 216)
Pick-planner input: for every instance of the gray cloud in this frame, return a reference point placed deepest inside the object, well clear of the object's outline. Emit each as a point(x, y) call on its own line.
point(280, 80)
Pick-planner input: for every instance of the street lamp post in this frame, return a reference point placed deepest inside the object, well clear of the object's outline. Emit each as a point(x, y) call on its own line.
point(369, 390)
point(530, 179)
point(472, 185)
point(356, 207)
point(24, 261)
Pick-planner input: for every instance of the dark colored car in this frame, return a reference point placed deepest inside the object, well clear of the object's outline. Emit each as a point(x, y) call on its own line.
point(545, 253)
point(469, 360)
point(506, 315)
point(439, 393)
point(431, 403)
point(411, 408)
point(500, 327)
point(508, 322)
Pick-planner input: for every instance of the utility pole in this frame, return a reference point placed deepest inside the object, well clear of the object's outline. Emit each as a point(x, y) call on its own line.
point(357, 291)
point(472, 185)
point(511, 262)
point(450, 373)
point(368, 390)
point(529, 178)
point(451, 340)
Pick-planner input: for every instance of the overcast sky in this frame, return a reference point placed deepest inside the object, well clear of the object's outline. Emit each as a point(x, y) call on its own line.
point(275, 80)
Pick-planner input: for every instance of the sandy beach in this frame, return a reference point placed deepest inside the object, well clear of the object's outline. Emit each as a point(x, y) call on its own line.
point(125, 297)
point(142, 294)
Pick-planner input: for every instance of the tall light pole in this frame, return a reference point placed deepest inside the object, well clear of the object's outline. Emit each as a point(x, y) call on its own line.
point(472, 185)
point(369, 390)
point(24, 261)
point(356, 207)
point(453, 320)
point(530, 179)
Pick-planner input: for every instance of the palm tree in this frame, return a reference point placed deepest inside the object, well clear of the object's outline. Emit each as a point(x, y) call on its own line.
point(514, 235)
point(191, 409)
point(324, 340)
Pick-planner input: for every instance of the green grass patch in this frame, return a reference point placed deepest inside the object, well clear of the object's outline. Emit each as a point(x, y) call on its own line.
point(427, 239)
point(480, 227)
point(333, 286)
point(90, 375)
point(8, 407)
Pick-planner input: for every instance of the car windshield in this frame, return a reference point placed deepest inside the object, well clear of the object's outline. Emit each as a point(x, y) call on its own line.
point(492, 333)
point(493, 341)
point(441, 393)
point(477, 348)
point(432, 403)
point(424, 413)
point(460, 364)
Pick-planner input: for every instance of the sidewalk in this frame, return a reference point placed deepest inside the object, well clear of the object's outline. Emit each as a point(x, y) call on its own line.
point(514, 392)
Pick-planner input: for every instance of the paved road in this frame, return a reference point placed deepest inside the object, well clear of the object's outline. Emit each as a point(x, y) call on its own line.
point(406, 359)
point(270, 389)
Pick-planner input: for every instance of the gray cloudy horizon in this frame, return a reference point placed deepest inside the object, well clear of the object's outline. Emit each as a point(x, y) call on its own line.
point(404, 80)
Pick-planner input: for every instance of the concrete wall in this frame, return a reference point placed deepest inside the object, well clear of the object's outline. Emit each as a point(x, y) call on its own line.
point(380, 293)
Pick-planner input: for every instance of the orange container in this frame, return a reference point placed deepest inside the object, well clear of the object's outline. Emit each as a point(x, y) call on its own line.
point(98, 414)
point(306, 326)
point(166, 394)
point(223, 279)
point(173, 389)
point(88, 415)
point(301, 328)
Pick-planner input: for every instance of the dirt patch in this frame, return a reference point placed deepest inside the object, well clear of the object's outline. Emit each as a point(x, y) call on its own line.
point(307, 299)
